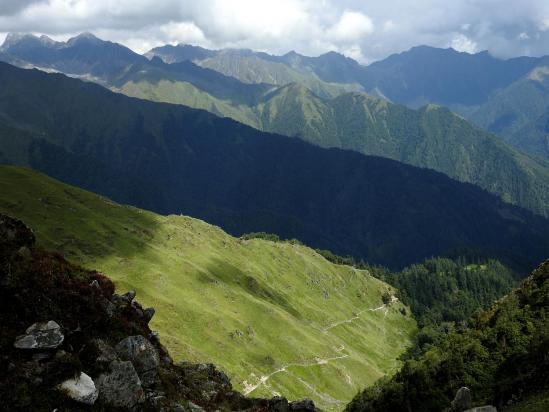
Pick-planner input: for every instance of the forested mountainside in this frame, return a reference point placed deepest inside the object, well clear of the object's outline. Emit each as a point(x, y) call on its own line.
point(431, 137)
point(507, 97)
point(179, 160)
point(501, 357)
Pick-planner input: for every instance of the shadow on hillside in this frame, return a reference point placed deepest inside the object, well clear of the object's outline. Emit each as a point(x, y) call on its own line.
point(79, 224)
point(230, 274)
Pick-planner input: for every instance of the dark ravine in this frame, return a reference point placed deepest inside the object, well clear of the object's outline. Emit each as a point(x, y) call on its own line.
point(69, 343)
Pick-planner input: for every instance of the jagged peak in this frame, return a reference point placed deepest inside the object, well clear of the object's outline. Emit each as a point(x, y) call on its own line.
point(83, 36)
point(13, 38)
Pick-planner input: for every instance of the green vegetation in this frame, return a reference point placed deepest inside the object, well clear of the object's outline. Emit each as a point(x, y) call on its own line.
point(314, 99)
point(251, 306)
point(432, 137)
point(501, 357)
point(173, 159)
point(444, 293)
point(519, 112)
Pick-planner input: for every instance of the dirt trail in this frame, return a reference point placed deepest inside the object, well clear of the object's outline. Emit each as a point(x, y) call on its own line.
point(249, 387)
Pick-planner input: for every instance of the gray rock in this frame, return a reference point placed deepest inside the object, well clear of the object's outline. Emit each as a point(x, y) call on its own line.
point(81, 389)
point(194, 407)
point(143, 355)
point(105, 353)
point(304, 405)
point(148, 314)
point(108, 307)
point(462, 400)
point(488, 408)
point(94, 284)
point(129, 296)
point(42, 335)
point(121, 387)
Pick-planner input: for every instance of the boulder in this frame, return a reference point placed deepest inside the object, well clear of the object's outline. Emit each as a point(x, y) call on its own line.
point(121, 387)
point(80, 389)
point(14, 235)
point(129, 296)
point(143, 355)
point(304, 405)
point(105, 354)
point(462, 400)
point(488, 408)
point(279, 404)
point(42, 335)
point(148, 314)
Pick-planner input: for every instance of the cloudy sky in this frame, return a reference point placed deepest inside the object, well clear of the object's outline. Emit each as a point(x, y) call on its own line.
point(367, 30)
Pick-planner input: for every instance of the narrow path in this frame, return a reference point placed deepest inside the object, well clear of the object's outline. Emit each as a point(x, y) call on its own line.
point(249, 388)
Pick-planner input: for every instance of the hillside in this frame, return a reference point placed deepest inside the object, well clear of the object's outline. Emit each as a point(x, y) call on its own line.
point(172, 159)
point(71, 344)
point(519, 112)
point(431, 137)
point(254, 67)
point(428, 138)
point(253, 307)
point(501, 357)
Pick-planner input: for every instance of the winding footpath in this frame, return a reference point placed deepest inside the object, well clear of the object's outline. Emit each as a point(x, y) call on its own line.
point(249, 388)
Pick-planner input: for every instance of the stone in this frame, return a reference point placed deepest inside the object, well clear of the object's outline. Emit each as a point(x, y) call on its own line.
point(80, 389)
point(488, 408)
point(129, 296)
point(121, 387)
point(279, 404)
point(95, 284)
point(194, 407)
point(462, 400)
point(148, 314)
point(105, 353)
point(42, 335)
point(142, 354)
point(108, 307)
point(14, 235)
point(304, 405)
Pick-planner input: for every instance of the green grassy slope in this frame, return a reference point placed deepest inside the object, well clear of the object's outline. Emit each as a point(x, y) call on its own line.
point(256, 308)
point(432, 137)
point(253, 69)
point(519, 112)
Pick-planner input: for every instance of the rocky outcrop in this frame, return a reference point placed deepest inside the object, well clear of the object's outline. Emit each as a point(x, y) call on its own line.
point(143, 355)
point(43, 335)
point(96, 351)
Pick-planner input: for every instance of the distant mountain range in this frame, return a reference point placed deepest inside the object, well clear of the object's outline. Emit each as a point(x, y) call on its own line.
point(496, 94)
point(309, 98)
point(172, 159)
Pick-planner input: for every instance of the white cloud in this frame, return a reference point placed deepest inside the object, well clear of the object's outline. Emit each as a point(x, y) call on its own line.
point(351, 27)
point(462, 43)
point(368, 30)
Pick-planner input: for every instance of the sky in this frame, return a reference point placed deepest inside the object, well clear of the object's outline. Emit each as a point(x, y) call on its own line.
point(366, 30)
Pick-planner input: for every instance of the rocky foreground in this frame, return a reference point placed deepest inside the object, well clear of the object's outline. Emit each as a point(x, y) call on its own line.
point(69, 343)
